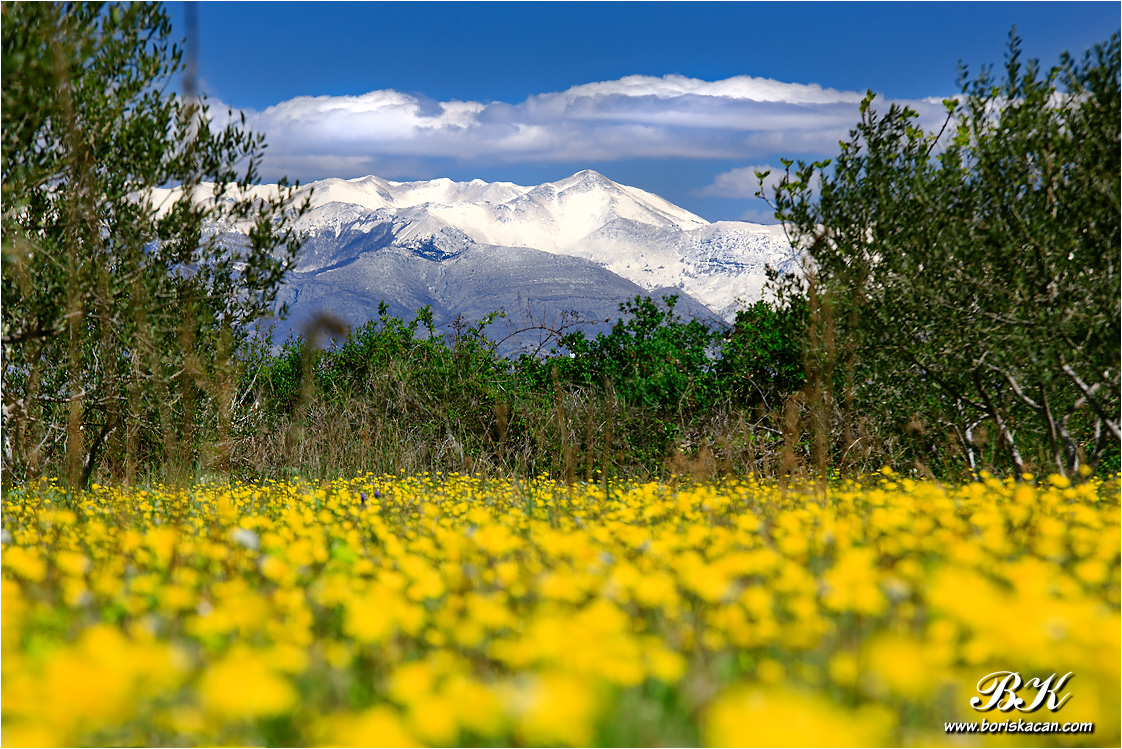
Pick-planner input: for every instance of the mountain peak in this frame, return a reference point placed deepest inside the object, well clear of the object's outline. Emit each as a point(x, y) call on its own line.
point(585, 177)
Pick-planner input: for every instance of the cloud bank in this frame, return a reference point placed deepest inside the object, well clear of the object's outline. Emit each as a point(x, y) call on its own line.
point(742, 182)
point(388, 132)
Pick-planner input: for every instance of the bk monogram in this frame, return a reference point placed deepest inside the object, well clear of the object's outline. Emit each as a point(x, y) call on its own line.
point(1006, 683)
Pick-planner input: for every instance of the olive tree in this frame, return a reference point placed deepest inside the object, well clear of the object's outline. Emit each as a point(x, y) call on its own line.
point(970, 275)
point(121, 307)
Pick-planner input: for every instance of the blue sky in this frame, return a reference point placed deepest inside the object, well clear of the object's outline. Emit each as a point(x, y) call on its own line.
point(682, 99)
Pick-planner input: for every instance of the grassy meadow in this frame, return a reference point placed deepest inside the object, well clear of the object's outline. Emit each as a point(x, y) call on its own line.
point(450, 610)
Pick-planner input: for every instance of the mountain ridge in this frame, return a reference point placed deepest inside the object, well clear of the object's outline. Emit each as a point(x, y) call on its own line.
point(609, 241)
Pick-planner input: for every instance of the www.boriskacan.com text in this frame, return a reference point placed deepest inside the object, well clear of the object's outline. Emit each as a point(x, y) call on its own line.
point(1018, 726)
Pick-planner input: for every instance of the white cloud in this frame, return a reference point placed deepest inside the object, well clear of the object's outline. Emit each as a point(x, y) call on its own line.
point(742, 182)
point(739, 118)
point(633, 117)
point(758, 216)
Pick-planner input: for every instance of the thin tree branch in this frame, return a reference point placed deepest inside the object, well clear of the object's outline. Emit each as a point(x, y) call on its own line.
point(1089, 394)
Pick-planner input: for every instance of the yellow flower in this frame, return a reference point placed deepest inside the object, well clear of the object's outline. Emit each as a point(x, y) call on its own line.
point(1024, 494)
point(770, 671)
point(852, 584)
point(276, 569)
point(1058, 481)
point(906, 666)
point(369, 620)
point(412, 681)
point(778, 716)
point(177, 598)
point(476, 707)
point(162, 543)
point(378, 726)
point(19, 734)
point(288, 658)
point(555, 708)
point(655, 590)
point(242, 685)
point(25, 563)
point(844, 668)
point(433, 718)
point(664, 664)
point(72, 563)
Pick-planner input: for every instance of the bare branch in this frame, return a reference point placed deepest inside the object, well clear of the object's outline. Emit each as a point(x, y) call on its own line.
point(1002, 425)
point(1089, 394)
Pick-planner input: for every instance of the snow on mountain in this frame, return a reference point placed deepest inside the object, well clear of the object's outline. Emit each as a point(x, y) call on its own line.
point(375, 193)
point(445, 243)
point(557, 216)
point(633, 233)
point(552, 217)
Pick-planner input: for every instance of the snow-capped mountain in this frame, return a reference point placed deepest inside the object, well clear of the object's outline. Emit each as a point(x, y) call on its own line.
point(581, 244)
point(633, 233)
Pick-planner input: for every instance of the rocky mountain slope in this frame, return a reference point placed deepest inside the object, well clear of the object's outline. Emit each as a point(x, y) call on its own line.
point(578, 246)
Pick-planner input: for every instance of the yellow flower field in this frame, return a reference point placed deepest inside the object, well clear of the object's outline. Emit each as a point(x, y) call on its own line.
point(453, 611)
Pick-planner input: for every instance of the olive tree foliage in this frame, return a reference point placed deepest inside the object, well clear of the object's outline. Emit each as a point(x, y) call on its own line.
point(970, 276)
point(121, 309)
